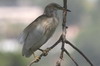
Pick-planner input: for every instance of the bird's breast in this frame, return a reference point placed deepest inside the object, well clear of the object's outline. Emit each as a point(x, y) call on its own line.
point(50, 25)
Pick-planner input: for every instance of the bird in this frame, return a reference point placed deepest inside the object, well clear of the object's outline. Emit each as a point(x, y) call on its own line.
point(40, 30)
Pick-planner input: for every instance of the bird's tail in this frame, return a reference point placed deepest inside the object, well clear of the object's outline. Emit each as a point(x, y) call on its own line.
point(26, 53)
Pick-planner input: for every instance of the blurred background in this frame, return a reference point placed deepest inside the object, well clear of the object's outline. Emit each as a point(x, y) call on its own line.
point(83, 31)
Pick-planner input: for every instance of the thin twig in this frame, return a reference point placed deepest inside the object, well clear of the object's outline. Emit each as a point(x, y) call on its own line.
point(71, 57)
point(58, 63)
point(57, 42)
point(62, 49)
point(67, 42)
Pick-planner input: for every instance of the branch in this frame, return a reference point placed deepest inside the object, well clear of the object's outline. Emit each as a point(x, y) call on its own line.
point(64, 28)
point(70, 57)
point(67, 42)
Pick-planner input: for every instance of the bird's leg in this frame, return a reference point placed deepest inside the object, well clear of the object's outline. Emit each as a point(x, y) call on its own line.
point(45, 52)
point(34, 55)
point(37, 58)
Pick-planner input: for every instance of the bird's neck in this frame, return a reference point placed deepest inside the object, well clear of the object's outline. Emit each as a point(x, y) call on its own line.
point(52, 13)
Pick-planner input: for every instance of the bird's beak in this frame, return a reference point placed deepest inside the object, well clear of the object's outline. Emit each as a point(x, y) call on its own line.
point(61, 8)
point(65, 9)
point(68, 10)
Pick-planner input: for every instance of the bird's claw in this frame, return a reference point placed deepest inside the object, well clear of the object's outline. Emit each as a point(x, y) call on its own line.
point(45, 52)
point(37, 58)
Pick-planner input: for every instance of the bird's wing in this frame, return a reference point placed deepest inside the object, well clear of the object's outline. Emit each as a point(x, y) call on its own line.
point(33, 33)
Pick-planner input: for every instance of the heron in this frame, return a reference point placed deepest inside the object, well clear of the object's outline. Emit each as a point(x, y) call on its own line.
point(40, 30)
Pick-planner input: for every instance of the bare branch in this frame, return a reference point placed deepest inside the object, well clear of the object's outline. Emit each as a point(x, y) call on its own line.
point(70, 57)
point(59, 40)
point(58, 63)
point(67, 42)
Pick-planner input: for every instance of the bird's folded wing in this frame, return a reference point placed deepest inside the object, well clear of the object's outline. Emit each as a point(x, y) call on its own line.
point(33, 37)
point(33, 33)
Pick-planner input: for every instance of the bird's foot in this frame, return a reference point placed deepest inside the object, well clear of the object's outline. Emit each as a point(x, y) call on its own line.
point(45, 52)
point(37, 58)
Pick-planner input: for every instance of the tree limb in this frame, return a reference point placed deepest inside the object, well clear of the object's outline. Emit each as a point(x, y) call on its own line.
point(67, 42)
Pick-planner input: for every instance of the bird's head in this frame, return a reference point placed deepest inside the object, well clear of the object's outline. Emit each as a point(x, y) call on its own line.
point(53, 7)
